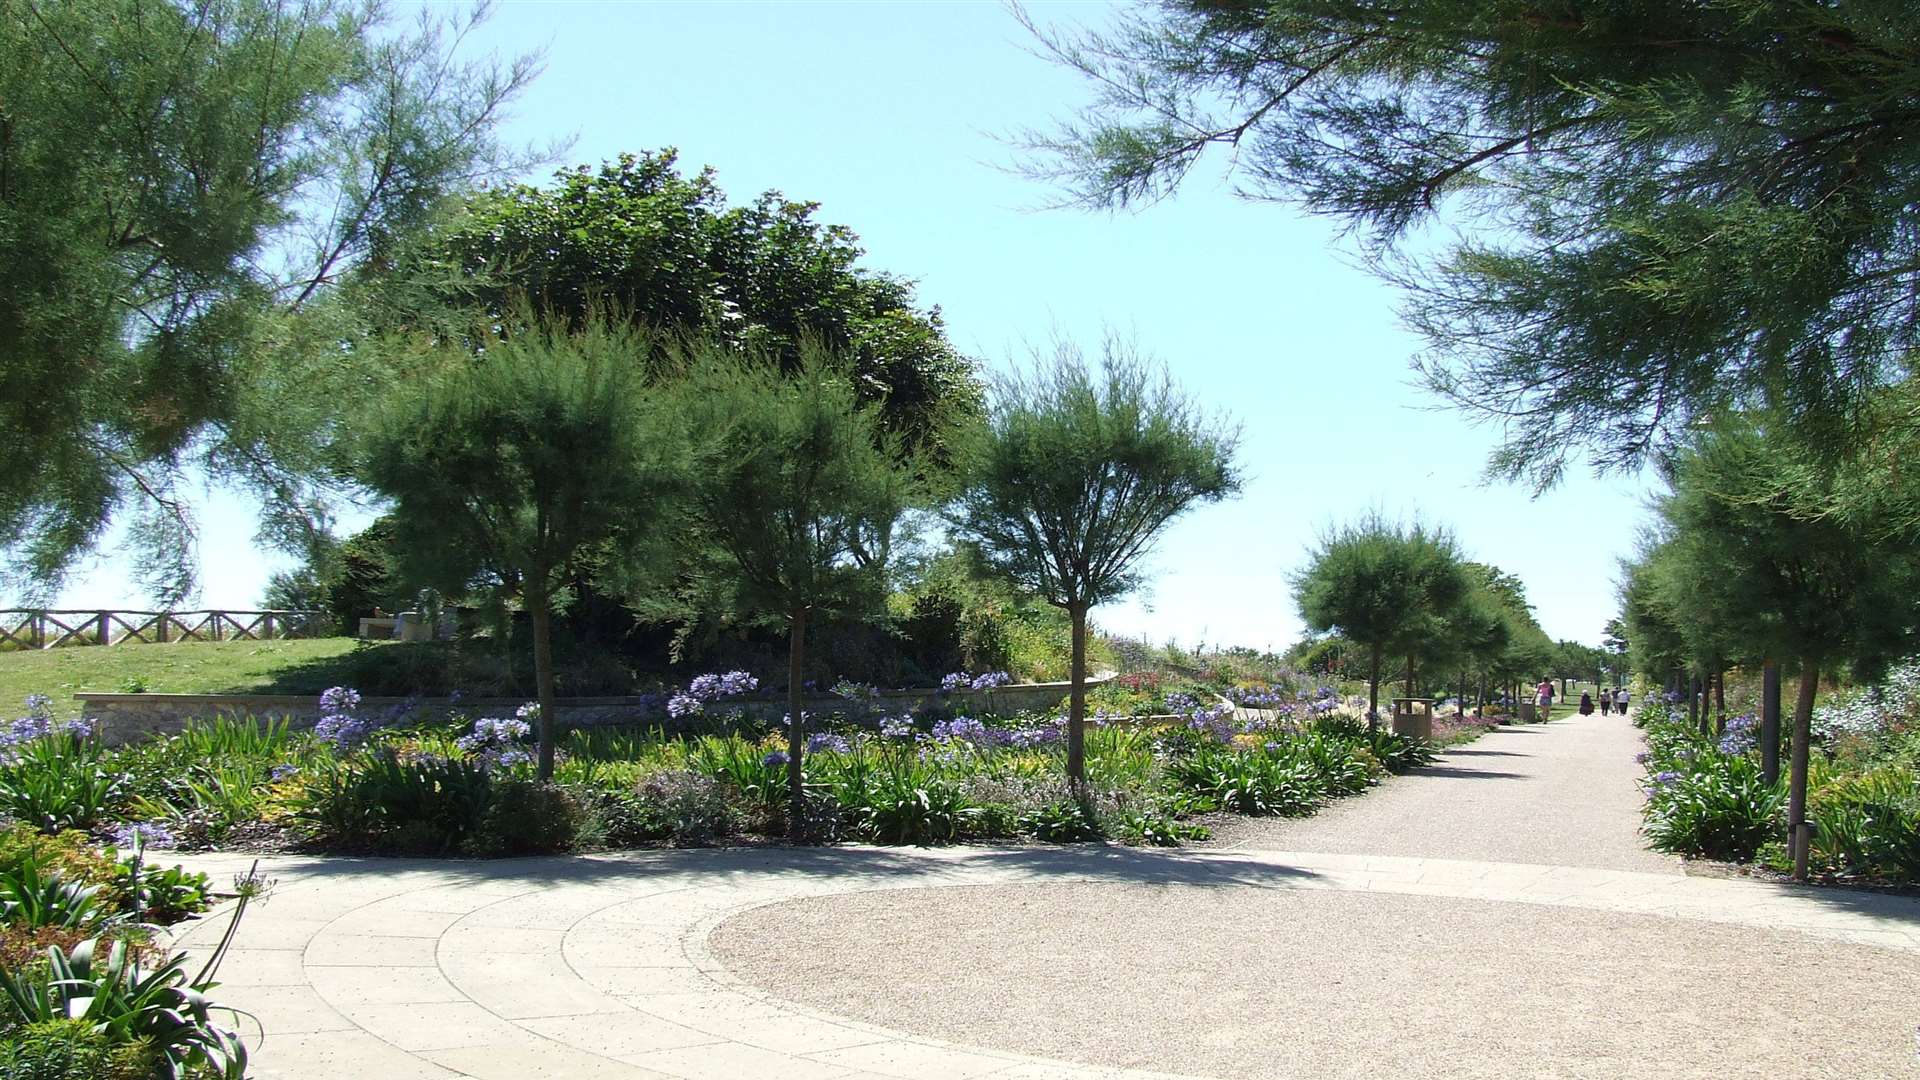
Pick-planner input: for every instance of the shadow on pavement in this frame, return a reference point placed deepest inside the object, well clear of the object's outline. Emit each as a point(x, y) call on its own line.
point(744, 866)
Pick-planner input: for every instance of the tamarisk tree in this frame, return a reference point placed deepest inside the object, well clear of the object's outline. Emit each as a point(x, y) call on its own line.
point(508, 467)
point(1072, 478)
point(798, 496)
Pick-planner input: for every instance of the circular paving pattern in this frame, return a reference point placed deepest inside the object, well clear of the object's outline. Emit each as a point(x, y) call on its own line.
point(1268, 983)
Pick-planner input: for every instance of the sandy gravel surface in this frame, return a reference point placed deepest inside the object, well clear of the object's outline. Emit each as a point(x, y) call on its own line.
point(1267, 984)
point(1559, 794)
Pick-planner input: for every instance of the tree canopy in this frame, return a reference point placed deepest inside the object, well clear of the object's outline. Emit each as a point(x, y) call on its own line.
point(764, 278)
point(176, 181)
point(1387, 587)
point(1665, 213)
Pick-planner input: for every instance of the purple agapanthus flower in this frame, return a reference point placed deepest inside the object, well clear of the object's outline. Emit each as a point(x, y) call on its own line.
point(143, 834)
point(827, 740)
point(776, 758)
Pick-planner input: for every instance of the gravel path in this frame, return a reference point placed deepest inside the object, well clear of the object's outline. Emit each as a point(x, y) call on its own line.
point(1265, 984)
point(1559, 794)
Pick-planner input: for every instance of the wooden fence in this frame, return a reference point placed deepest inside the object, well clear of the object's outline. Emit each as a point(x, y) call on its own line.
point(39, 628)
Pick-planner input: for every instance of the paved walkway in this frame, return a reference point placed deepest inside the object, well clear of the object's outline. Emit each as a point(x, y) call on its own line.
point(1559, 794)
point(962, 963)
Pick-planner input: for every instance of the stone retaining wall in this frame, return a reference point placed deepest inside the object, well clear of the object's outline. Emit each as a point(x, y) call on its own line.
point(126, 717)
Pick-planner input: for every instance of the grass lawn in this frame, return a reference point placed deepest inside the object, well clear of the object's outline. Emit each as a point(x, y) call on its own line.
point(195, 667)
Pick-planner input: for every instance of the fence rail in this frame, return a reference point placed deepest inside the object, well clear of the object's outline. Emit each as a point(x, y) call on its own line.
point(43, 628)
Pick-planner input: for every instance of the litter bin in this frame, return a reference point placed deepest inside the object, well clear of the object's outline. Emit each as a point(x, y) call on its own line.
point(1529, 712)
point(1413, 717)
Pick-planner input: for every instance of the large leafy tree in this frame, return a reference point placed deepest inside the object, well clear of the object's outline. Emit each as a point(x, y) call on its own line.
point(1816, 591)
point(766, 278)
point(178, 182)
point(1668, 211)
point(506, 470)
point(1074, 476)
point(1385, 586)
point(798, 496)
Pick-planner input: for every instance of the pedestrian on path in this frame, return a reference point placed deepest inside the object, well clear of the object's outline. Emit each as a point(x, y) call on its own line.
point(1586, 703)
point(1620, 700)
point(1606, 700)
point(1544, 694)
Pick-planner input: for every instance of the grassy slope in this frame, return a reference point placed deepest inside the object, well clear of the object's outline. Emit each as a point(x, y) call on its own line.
point(184, 668)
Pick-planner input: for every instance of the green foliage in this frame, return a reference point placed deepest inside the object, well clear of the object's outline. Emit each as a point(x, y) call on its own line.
point(162, 1009)
point(29, 898)
point(1702, 802)
point(380, 802)
point(1672, 211)
point(1077, 473)
point(1256, 783)
point(59, 782)
point(666, 251)
point(1869, 823)
point(176, 182)
point(63, 1049)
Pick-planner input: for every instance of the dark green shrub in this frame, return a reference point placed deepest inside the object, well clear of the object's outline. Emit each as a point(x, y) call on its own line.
point(70, 1050)
point(1064, 821)
point(525, 817)
point(378, 801)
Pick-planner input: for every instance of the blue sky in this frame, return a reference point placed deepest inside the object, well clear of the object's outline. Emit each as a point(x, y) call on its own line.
point(891, 116)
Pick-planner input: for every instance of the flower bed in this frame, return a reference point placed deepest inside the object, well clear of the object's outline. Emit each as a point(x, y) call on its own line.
point(368, 782)
point(85, 988)
point(1706, 797)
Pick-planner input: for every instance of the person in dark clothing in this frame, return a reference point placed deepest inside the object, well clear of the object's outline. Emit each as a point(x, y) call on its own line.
point(1586, 704)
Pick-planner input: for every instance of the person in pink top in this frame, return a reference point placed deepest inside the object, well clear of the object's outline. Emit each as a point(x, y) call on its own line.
point(1545, 691)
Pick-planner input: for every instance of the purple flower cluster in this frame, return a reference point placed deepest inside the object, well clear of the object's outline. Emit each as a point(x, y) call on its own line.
point(964, 680)
point(827, 740)
point(340, 722)
point(39, 723)
point(494, 741)
point(1741, 735)
point(965, 729)
point(1662, 780)
point(897, 727)
point(1248, 697)
point(775, 759)
point(143, 834)
point(710, 688)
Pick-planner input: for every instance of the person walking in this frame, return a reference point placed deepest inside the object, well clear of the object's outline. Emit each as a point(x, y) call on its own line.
point(1544, 695)
point(1606, 700)
point(1586, 703)
point(1620, 700)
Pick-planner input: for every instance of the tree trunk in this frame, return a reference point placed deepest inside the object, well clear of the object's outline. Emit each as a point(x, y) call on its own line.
point(796, 724)
point(540, 613)
point(1770, 722)
point(1563, 688)
point(1720, 698)
point(1373, 692)
point(1694, 714)
point(1799, 835)
point(1077, 701)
